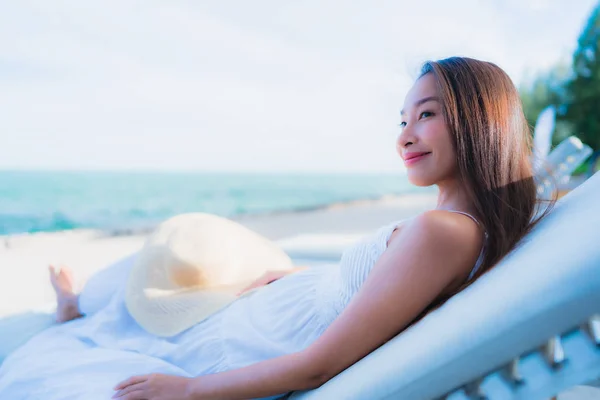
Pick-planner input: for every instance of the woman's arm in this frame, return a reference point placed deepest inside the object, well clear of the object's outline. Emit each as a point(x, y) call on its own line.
point(424, 258)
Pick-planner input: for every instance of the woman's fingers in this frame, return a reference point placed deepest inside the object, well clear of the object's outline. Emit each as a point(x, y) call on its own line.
point(131, 381)
point(259, 282)
point(265, 279)
point(131, 391)
point(137, 394)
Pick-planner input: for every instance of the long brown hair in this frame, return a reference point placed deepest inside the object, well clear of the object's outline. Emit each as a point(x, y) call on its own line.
point(493, 144)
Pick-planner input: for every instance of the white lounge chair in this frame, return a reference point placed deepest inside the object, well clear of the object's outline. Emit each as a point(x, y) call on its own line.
point(542, 134)
point(556, 168)
point(526, 330)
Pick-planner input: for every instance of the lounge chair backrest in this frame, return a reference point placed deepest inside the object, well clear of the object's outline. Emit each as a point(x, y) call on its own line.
point(549, 285)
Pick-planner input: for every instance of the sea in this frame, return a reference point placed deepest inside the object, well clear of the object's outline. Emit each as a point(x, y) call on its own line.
point(48, 201)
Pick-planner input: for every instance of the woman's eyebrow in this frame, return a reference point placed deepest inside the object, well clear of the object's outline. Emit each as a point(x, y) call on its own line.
point(423, 101)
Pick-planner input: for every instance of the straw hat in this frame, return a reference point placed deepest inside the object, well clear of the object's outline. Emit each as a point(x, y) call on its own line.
point(193, 265)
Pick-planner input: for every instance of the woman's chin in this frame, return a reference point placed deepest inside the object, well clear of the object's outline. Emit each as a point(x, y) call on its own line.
point(420, 181)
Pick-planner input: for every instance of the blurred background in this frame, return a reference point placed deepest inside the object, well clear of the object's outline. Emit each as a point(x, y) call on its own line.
point(118, 114)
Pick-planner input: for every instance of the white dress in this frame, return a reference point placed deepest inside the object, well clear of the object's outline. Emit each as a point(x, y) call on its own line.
point(85, 358)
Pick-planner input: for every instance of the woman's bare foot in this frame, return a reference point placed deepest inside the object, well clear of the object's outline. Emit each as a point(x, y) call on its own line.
point(67, 307)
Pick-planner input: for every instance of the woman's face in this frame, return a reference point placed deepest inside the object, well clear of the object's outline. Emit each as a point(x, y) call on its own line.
point(424, 143)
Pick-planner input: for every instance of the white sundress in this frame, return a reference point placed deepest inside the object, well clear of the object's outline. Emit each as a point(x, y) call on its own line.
point(85, 358)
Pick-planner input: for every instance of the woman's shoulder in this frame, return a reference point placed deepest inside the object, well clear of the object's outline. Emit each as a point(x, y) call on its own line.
point(443, 231)
point(443, 222)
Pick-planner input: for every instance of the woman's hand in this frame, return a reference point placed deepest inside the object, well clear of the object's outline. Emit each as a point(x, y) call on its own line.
point(154, 387)
point(268, 277)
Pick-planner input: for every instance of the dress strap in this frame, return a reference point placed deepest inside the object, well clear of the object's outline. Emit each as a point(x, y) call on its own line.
point(474, 219)
point(467, 214)
point(481, 253)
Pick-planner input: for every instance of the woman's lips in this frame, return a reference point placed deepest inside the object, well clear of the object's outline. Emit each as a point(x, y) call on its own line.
point(416, 159)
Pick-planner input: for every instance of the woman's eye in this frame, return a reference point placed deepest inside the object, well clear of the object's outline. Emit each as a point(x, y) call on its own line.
point(424, 114)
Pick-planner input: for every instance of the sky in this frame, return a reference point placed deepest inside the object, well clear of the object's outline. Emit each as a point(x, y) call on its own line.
point(249, 86)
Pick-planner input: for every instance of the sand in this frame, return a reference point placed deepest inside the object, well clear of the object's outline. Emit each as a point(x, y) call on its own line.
point(307, 236)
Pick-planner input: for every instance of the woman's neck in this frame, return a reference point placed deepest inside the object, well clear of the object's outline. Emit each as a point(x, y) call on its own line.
point(453, 196)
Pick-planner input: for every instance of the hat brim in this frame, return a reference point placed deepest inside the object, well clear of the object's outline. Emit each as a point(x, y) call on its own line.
point(168, 313)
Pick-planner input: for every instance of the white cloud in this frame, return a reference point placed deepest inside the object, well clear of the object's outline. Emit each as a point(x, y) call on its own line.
point(263, 85)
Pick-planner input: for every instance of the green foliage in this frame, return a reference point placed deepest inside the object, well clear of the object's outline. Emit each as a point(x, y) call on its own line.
point(544, 90)
point(582, 101)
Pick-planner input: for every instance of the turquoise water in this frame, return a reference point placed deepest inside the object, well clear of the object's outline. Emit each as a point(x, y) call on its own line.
point(113, 201)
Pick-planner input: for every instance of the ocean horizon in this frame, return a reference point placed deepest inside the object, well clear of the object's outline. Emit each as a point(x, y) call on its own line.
point(112, 201)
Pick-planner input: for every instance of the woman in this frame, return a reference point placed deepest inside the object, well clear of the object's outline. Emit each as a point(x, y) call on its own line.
point(462, 129)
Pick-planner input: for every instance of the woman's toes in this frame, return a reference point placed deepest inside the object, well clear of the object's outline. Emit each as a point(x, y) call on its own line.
point(61, 281)
point(67, 307)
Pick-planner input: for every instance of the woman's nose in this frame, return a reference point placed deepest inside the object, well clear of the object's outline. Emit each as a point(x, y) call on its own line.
point(405, 138)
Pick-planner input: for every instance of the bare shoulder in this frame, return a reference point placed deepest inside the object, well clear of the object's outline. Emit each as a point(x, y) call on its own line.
point(450, 236)
point(448, 225)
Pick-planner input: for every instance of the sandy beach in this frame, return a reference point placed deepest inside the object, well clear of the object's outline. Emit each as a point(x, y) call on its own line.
point(308, 237)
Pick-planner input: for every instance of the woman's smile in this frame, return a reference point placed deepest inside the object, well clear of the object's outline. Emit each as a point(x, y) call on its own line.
point(412, 158)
